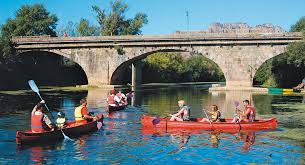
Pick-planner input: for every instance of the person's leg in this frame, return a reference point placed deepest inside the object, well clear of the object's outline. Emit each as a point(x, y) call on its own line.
point(236, 119)
point(172, 118)
point(204, 120)
point(178, 119)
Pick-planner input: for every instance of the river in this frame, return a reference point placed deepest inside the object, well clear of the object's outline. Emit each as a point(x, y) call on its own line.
point(122, 140)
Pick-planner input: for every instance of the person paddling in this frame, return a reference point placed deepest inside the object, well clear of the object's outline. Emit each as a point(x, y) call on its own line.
point(215, 115)
point(113, 100)
point(81, 112)
point(122, 97)
point(40, 122)
point(248, 115)
point(183, 113)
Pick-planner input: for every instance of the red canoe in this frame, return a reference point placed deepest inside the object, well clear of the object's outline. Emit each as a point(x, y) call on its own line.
point(164, 123)
point(73, 129)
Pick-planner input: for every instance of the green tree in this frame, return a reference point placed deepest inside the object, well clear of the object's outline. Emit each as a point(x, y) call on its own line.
point(30, 21)
point(85, 29)
point(298, 26)
point(287, 69)
point(167, 67)
point(203, 69)
point(173, 67)
point(115, 23)
point(69, 29)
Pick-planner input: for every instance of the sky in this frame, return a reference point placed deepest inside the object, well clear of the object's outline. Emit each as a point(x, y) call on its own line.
point(168, 16)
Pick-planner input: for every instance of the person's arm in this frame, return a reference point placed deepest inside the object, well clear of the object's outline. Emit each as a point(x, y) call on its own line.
point(34, 109)
point(178, 113)
point(48, 122)
point(85, 114)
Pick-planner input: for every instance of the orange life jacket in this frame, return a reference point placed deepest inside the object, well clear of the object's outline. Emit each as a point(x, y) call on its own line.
point(251, 116)
point(36, 123)
point(111, 100)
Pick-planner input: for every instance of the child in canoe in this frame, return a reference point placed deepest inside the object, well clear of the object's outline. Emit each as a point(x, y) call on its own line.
point(215, 115)
point(61, 120)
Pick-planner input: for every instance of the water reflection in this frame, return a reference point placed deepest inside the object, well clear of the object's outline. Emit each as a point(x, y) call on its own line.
point(80, 146)
point(181, 138)
point(37, 155)
point(137, 98)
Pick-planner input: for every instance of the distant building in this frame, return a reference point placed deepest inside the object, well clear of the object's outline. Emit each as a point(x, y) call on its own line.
point(238, 27)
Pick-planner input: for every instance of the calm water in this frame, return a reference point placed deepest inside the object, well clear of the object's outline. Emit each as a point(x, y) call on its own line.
point(123, 141)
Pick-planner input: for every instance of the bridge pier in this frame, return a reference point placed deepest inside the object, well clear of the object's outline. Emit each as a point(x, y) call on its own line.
point(136, 77)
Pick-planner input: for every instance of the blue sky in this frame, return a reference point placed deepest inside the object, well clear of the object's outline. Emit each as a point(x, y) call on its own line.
point(168, 16)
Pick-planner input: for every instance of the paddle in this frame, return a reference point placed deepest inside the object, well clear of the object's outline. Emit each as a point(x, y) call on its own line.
point(208, 118)
point(236, 105)
point(36, 90)
point(99, 123)
point(157, 121)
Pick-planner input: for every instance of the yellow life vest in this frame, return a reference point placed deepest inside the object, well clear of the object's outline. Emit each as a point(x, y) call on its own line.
point(215, 116)
point(60, 121)
point(78, 113)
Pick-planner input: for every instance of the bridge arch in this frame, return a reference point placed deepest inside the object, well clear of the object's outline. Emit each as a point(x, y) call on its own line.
point(142, 54)
point(53, 61)
point(289, 75)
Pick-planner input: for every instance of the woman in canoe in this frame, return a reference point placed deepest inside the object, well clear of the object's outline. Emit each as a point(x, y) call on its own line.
point(183, 113)
point(40, 122)
point(215, 115)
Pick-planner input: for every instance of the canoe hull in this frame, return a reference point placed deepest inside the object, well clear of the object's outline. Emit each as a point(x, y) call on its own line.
point(164, 123)
point(73, 129)
point(116, 108)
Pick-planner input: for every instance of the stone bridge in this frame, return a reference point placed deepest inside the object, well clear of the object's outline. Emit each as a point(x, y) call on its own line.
point(238, 55)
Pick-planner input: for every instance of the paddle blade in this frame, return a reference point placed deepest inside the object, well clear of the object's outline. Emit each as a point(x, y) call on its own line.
point(156, 121)
point(65, 136)
point(99, 121)
point(99, 125)
point(33, 86)
point(236, 103)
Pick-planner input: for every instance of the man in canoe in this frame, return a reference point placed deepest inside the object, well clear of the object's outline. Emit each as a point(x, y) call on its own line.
point(81, 112)
point(300, 86)
point(215, 115)
point(40, 122)
point(183, 113)
point(248, 115)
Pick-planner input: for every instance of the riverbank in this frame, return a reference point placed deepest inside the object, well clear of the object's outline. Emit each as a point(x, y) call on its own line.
point(247, 89)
